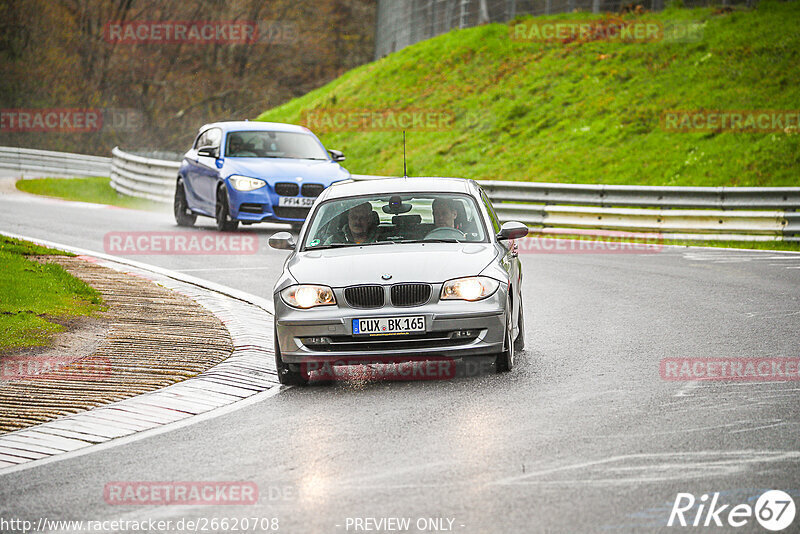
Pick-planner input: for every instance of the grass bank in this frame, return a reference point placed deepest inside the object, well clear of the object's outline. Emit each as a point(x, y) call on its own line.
point(584, 111)
point(97, 190)
point(35, 296)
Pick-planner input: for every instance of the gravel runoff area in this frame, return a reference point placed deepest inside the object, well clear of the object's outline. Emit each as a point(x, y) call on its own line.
point(155, 337)
point(165, 327)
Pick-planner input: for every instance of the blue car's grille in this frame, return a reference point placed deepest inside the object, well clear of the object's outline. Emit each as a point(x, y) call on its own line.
point(287, 189)
point(312, 190)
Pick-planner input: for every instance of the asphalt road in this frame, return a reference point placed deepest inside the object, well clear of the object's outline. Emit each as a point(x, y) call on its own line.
point(583, 436)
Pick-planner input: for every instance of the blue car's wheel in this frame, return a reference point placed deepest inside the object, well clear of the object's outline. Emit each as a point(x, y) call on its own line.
point(222, 212)
point(183, 216)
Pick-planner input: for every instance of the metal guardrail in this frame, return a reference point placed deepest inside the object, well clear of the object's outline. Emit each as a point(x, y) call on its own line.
point(692, 213)
point(135, 176)
point(28, 161)
point(645, 196)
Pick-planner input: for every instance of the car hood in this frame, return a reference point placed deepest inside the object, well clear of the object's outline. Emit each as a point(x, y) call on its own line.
point(429, 262)
point(274, 170)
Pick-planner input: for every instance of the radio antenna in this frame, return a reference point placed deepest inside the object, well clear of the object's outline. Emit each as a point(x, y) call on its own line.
point(405, 172)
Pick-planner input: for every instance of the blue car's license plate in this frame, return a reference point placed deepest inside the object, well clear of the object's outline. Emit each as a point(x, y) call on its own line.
point(388, 325)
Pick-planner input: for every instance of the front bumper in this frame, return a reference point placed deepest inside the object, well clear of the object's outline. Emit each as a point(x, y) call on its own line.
point(260, 206)
point(453, 329)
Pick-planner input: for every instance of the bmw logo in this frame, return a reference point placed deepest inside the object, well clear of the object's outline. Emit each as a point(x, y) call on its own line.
point(386, 276)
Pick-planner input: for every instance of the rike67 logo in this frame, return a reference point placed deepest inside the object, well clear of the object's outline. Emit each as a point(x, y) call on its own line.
point(774, 510)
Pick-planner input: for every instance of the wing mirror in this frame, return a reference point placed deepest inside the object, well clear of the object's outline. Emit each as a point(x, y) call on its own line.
point(209, 151)
point(282, 241)
point(512, 230)
point(337, 155)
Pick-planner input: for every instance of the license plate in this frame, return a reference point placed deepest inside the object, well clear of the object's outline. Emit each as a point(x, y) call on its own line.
point(388, 325)
point(295, 202)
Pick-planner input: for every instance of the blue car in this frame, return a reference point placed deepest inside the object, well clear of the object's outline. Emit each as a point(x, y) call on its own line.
point(250, 172)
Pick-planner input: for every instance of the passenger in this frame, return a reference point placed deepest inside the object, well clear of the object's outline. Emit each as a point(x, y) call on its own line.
point(444, 213)
point(360, 228)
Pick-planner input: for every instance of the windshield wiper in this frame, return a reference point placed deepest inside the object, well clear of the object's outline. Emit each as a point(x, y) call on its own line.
point(333, 245)
point(435, 240)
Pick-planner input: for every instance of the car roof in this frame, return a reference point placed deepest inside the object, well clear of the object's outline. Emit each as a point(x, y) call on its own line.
point(243, 126)
point(397, 185)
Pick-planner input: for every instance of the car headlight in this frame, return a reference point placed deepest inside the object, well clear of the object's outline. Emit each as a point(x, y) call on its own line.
point(307, 296)
point(471, 288)
point(243, 183)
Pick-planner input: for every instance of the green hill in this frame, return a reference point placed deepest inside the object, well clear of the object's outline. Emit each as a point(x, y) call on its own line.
point(585, 111)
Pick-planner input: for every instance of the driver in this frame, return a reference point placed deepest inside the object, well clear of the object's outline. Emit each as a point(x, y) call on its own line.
point(237, 147)
point(360, 227)
point(444, 213)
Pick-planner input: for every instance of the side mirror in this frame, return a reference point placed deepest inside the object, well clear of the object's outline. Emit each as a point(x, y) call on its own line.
point(337, 155)
point(282, 241)
point(209, 151)
point(512, 230)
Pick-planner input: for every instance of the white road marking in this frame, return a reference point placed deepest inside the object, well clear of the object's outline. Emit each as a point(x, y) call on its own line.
point(224, 269)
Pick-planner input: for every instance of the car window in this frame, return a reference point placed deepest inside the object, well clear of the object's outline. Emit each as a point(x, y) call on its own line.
point(265, 144)
point(490, 209)
point(401, 218)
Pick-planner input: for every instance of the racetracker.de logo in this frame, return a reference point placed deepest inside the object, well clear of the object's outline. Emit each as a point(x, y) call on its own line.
point(180, 243)
point(736, 121)
point(597, 242)
point(175, 31)
point(59, 368)
point(375, 369)
point(606, 29)
point(181, 493)
point(71, 120)
point(378, 120)
point(736, 369)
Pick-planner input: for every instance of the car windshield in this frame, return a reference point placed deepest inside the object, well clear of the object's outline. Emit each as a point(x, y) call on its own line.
point(395, 218)
point(265, 144)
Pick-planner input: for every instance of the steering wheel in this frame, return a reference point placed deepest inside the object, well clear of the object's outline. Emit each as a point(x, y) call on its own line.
point(446, 232)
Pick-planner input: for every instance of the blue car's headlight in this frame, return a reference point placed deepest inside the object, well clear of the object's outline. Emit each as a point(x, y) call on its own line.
point(243, 183)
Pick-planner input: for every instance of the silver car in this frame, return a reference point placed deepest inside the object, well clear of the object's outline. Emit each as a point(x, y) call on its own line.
point(400, 270)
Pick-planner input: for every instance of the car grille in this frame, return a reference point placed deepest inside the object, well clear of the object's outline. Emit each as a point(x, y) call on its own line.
point(364, 296)
point(407, 295)
point(429, 340)
point(287, 189)
point(291, 213)
point(312, 190)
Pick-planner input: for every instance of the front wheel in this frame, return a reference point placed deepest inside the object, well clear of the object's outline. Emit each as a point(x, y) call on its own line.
point(505, 360)
point(519, 343)
point(222, 213)
point(288, 374)
point(183, 216)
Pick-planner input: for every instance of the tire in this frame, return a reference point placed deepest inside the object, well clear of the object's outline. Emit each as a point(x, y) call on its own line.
point(288, 374)
point(519, 343)
point(183, 216)
point(505, 359)
point(222, 212)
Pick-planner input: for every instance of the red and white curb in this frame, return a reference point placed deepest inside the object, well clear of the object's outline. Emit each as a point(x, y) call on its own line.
point(248, 374)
